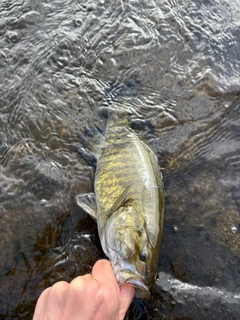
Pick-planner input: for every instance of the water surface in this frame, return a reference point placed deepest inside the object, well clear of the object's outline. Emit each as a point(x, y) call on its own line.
point(176, 65)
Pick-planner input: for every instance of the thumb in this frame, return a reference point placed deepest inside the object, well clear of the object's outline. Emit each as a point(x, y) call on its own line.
point(126, 295)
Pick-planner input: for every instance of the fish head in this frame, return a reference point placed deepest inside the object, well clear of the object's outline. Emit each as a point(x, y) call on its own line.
point(129, 250)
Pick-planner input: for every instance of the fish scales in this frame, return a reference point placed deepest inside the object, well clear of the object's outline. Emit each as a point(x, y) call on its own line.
point(124, 167)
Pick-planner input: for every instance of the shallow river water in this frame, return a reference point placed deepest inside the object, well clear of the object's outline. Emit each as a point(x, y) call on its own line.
point(177, 65)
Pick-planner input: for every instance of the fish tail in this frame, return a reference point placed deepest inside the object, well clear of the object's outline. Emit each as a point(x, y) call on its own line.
point(116, 114)
point(115, 110)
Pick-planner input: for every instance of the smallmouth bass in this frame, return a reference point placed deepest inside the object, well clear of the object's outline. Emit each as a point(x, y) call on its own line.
point(128, 205)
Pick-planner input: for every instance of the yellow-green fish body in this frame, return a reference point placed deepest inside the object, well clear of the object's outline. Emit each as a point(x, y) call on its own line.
point(128, 205)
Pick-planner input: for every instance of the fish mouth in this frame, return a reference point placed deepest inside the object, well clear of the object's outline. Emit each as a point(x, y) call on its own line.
point(139, 283)
point(141, 289)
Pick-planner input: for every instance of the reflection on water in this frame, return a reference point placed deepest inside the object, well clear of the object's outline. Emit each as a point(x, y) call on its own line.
point(176, 65)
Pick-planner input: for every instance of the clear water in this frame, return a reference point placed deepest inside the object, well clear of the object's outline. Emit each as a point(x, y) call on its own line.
point(177, 65)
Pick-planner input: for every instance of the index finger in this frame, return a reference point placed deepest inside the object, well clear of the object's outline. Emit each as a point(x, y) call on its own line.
point(102, 270)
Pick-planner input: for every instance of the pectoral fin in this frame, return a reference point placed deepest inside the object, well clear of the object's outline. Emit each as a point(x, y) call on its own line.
point(119, 202)
point(88, 203)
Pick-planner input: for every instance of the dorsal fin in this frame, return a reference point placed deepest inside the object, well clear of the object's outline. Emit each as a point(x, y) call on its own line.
point(151, 225)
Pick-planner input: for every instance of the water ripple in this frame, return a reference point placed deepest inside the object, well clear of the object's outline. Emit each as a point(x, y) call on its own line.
point(175, 66)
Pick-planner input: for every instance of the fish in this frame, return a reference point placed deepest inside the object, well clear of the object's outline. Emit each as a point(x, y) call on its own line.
point(128, 205)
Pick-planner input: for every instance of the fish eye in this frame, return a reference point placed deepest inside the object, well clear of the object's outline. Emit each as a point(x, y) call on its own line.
point(145, 255)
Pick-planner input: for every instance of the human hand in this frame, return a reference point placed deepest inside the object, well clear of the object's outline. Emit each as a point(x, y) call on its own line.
point(95, 296)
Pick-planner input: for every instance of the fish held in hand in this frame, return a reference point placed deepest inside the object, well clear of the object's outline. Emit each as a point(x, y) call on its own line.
point(128, 205)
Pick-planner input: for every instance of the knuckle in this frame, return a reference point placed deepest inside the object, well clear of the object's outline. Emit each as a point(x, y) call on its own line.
point(58, 290)
point(59, 286)
point(77, 286)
